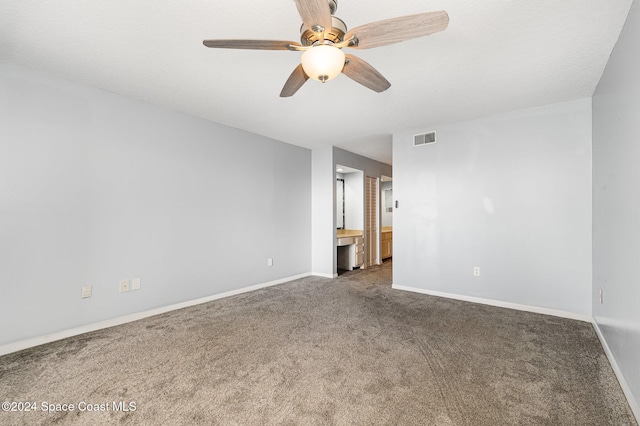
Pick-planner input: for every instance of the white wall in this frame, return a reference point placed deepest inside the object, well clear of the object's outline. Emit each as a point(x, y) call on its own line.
point(509, 193)
point(354, 200)
point(323, 216)
point(95, 188)
point(616, 205)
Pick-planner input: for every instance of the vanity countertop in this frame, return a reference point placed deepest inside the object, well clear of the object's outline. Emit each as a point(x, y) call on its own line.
point(342, 233)
point(387, 229)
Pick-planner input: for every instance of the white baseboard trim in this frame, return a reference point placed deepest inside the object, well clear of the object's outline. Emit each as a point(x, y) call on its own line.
point(319, 274)
point(616, 369)
point(59, 335)
point(499, 303)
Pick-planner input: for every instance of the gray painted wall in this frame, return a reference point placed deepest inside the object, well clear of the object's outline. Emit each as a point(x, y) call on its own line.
point(509, 193)
point(616, 203)
point(368, 166)
point(323, 216)
point(95, 188)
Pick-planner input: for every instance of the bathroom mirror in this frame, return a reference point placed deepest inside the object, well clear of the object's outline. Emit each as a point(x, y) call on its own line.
point(340, 203)
point(388, 200)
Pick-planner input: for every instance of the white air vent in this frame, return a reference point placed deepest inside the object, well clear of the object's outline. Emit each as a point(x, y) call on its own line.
point(424, 139)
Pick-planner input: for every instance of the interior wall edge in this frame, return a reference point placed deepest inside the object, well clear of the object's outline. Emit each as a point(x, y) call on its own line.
point(633, 404)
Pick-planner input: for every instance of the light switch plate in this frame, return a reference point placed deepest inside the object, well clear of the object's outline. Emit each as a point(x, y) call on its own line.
point(86, 291)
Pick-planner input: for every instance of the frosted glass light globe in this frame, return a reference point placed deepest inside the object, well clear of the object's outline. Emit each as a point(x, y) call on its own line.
point(323, 62)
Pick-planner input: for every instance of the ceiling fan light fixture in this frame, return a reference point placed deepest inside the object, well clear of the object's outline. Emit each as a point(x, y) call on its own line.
point(323, 62)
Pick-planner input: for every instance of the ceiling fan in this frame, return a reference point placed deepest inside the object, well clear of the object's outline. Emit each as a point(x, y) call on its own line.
point(322, 37)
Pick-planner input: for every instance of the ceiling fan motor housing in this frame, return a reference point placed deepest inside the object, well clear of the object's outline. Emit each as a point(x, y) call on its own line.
point(335, 34)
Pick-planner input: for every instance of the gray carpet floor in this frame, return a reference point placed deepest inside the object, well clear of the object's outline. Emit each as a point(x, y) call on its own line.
point(320, 351)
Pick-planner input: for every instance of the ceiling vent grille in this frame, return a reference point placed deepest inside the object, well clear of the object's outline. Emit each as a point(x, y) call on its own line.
point(424, 139)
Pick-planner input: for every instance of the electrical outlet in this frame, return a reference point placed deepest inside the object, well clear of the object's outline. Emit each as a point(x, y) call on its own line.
point(86, 291)
point(269, 262)
point(135, 284)
point(476, 271)
point(125, 285)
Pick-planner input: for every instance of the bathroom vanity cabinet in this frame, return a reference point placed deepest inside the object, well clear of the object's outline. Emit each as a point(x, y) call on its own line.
point(350, 249)
point(387, 242)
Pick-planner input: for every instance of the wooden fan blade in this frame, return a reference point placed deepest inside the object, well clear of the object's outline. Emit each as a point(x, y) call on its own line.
point(295, 81)
point(363, 73)
point(315, 13)
point(360, 71)
point(395, 30)
point(253, 44)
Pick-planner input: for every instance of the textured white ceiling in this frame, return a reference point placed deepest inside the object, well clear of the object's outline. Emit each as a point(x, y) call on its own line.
point(496, 55)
